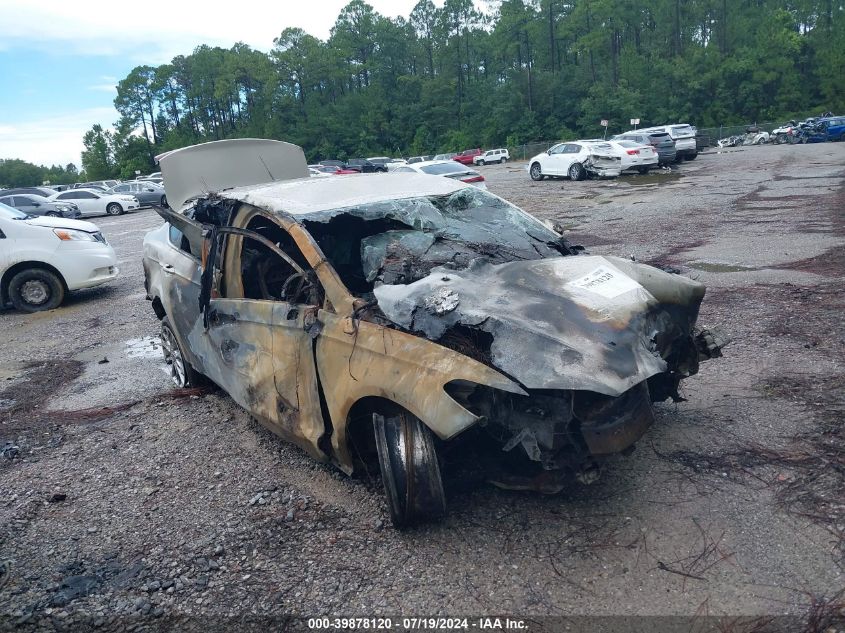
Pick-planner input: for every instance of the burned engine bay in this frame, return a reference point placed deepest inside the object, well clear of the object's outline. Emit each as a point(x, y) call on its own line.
point(592, 340)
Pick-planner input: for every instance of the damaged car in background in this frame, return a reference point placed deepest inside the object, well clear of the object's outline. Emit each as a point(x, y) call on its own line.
point(576, 160)
point(381, 321)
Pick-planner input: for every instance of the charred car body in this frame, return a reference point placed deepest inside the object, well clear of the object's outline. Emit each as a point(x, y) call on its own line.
point(392, 314)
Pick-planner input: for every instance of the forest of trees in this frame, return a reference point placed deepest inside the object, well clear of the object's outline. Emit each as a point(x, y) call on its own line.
point(15, 172)
point(453, 77)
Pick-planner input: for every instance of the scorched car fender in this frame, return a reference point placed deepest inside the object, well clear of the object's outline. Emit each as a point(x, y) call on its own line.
point(357, 359)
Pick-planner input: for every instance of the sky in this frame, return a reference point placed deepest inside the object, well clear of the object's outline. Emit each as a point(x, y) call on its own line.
point(60, 61)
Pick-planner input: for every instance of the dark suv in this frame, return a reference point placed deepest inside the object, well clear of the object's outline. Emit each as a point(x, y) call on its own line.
point(365, 166)
point(660, 141)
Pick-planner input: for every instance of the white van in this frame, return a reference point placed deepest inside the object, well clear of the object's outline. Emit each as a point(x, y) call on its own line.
point(41, 258)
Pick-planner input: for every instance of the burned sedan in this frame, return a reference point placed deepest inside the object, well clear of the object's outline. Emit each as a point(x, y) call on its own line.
point(385, 318)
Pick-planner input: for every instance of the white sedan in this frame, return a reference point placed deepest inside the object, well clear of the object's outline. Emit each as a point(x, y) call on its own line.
point(447, 168)
point(576, 159)
point(635, 155)
point(92, 202)
point(43, 257)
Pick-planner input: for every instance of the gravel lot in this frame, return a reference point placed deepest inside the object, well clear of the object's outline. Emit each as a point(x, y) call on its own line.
point(130, 503)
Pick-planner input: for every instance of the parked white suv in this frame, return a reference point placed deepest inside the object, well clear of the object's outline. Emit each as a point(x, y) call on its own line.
point(41, 258)
point(492, 156)
point(684, 136)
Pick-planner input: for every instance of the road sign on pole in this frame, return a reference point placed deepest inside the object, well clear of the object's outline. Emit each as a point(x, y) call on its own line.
point(604, 123)
point(635, 123)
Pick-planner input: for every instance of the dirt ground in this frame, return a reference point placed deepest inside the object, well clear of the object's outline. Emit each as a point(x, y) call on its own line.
point(129, 502)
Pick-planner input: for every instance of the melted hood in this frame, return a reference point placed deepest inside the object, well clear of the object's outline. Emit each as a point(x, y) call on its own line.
point(586, 322)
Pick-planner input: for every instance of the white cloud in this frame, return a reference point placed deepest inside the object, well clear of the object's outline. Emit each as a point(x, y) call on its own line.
point(160, 29)
point(54, 140)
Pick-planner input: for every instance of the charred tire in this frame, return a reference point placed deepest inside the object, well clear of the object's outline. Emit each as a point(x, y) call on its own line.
point(35, 290)
point(643, 169)
point(409, 469)
point(181, 372)
point(113, 208)
point(577, 171)
point(691, 156)
point(536, 172)
point(163, 201)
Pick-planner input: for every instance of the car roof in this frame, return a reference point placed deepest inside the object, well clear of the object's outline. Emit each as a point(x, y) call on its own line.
point(305, 196)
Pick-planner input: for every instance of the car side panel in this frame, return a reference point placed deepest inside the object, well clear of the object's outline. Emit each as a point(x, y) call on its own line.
point(264, 359)
point(357, 359)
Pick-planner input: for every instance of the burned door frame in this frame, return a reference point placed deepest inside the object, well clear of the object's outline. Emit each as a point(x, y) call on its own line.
point(267, 343)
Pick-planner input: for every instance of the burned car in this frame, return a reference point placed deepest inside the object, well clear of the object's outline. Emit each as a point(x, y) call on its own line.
point(379, 319)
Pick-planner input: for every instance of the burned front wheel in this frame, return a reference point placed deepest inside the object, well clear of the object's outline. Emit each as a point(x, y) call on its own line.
point(409, 469)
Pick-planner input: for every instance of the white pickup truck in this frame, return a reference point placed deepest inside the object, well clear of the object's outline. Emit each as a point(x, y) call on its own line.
point(41, 258)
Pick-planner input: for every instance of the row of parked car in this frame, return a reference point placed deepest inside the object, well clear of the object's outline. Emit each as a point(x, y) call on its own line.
point(636, 150)
point(104, 197)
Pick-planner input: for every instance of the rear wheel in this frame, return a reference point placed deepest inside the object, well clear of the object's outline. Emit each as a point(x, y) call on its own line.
point(577, 171)
point(113, 208)
point(409, 469)
point(536, 172)
point(691, 156)
point(35, 290)
point(643, 169)
point(53, 214)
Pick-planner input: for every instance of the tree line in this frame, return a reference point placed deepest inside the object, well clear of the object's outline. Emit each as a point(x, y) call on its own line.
point(15, 172)
point(452, 77)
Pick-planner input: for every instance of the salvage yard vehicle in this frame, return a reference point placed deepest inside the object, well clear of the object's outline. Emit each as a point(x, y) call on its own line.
point(684, 136)
point(380, 319)
point(635, 155)
point(42, 258)
point(467, 156)
point(445, 168)
point(92, 202)
point(575, 160)
point(660, 141)
point(32, 204)
point(146, 193)
point(492, 156)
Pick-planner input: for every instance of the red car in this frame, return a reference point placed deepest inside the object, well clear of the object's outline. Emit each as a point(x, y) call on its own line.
point(466, 156)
